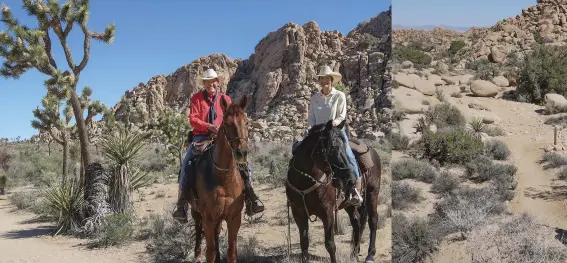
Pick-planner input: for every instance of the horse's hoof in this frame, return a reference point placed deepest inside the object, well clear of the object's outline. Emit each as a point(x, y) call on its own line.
point(369, 260)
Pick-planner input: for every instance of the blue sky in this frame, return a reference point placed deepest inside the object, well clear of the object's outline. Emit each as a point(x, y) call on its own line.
point(458, 13)
point(154, 39)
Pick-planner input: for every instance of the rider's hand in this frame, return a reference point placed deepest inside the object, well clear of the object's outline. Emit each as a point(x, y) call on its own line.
point(214, 129)
point(336, 123)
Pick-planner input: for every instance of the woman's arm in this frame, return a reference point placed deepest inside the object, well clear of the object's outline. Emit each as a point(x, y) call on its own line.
point(341, 110)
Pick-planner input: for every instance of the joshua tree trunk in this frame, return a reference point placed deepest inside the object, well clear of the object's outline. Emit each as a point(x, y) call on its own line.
point(66, 154)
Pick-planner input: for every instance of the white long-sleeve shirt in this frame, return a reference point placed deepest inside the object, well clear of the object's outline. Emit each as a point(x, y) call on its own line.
point(324, 108)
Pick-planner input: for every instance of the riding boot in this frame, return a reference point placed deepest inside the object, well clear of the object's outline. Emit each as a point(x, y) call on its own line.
point(180, 212)
point(253, 203)
point(357, 197)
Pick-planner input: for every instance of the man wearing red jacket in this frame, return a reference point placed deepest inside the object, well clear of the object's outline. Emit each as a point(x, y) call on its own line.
point(206, 120)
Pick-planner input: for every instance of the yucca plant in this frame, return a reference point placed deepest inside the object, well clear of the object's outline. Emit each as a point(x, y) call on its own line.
point(477, 125)
point(67, 200)
point(121, 149)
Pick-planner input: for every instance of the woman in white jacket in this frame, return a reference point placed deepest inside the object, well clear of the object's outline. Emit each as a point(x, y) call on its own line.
point(330, 104)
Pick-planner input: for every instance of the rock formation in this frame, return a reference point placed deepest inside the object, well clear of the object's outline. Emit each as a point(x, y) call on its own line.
point(279, 78)
point(546, 22)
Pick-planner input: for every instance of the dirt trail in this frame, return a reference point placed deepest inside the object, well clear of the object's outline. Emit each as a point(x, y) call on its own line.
point(23, 240)
point(539, 192)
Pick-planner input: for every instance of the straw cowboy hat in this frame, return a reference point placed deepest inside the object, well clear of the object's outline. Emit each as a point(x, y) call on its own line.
point(209, 74)
point(327, 71)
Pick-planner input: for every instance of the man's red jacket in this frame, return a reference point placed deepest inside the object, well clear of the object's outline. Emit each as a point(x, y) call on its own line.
point(200, 112)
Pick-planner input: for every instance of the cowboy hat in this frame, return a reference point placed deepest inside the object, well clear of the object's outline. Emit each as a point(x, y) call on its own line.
point(209, 74)
point(327, 71)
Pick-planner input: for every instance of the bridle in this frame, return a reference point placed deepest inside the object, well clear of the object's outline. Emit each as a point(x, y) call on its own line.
point(222, 130)
point(324, 180)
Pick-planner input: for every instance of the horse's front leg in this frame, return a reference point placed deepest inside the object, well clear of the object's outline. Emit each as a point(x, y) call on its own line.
point(328, 224)
point(233, 226)
point(198, 233)
point(355, 222)
point(301, 220)
point(209, 227)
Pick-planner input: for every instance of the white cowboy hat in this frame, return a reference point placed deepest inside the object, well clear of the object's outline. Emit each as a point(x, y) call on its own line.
point(209, 74)
point(327, 71)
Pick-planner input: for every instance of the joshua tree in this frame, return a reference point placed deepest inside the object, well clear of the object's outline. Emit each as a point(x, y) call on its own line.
point(171, 129)
point(48, 120)
point(25, 48)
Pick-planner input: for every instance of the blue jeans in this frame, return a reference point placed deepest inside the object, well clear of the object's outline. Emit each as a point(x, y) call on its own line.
point(351, 158)
point(189, 155)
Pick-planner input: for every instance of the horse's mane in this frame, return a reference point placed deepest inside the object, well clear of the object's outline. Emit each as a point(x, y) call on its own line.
point(334, 132)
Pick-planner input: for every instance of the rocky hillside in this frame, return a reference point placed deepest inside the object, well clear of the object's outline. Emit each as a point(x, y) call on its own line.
point(545, 22)
point(279, 78)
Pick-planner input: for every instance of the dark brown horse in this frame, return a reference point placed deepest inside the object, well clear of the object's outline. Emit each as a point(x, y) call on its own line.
point(219, 186)
point(320, 158)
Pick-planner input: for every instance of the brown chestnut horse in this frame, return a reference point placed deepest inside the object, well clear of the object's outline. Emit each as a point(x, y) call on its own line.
point(219, 186)
point(318, 161)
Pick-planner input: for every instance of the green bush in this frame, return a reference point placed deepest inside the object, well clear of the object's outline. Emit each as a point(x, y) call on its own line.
point(116, 229)
point(399, 141)
point(544, 71)
point(445, 115)
point(553, 160)
point(367, 41)
point(456, 146)
point(483, 169)
point(404, 195)
point(413, 240)
point(484, 69)
point(418, 57)
point(456, 46)
point(496, 149)
point(445, 183)
point(413, 169)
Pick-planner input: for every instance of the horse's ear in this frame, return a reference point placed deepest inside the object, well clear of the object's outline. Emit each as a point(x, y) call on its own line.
point(342, 124)
point(224, 104)
point(244, 102)
point(329, 125)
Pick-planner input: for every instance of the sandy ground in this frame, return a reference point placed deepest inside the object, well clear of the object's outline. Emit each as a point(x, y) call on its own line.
point(539, 192)
point(22, 240)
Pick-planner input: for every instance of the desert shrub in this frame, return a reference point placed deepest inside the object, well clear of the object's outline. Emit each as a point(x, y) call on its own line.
point(456, 46)
point(484, 69)
point(412, 239)
point(154, 161)
point(493, 130)
point(553, 160)
point(544, 71)
point(413, 169)
point(445, 115)
point(562, 174)
point(399, 141)
point(556, 120)
point(454, 146)
point(477, 125)
point(404, 195)
point(551, 108)
point(271, 160)
point(467, 208)
point(456, 95)
point(367, 41)
point(3, 183)
point(23, 200)
point(168, 240)
point(116, 229)
point(445, 183)
point(517, 240)
point(483, 169)
point(496, 149)
point(409, 53)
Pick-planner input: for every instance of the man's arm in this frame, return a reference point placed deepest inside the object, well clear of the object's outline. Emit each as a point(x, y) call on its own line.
point(194, 119)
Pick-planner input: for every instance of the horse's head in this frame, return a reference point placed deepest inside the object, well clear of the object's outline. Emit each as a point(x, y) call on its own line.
point(328, 147)
point(235, 125)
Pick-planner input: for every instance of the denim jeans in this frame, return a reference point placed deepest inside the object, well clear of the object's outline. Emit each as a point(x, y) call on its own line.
point(189, 155)
point(351, 158)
